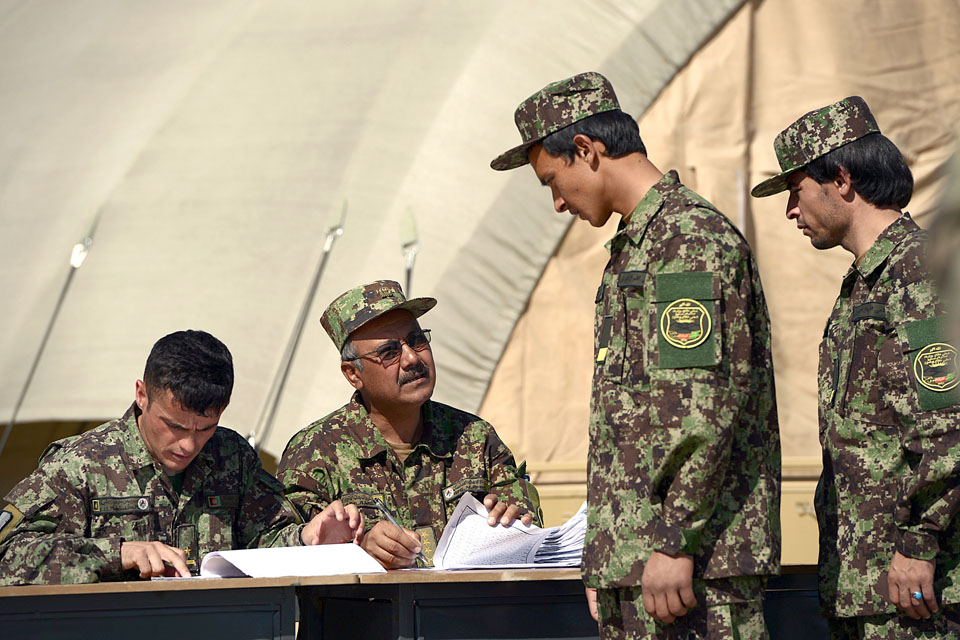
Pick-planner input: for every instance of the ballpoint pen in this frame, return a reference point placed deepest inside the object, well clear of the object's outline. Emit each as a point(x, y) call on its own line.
point(389, 516)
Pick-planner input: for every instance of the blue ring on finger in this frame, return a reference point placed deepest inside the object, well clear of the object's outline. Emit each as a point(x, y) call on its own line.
point(918, 595)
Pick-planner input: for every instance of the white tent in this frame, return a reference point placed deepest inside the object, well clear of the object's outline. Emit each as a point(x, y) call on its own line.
point(207, 147)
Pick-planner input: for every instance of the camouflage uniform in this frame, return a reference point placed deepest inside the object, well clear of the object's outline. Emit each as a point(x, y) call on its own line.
point(888, 415)
point(891, 447)
point(683, 392)
point(93, 491)
point(343, 456)
point(684, 441)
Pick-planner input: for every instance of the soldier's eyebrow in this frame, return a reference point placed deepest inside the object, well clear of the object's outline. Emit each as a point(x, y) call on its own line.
point(175, 425)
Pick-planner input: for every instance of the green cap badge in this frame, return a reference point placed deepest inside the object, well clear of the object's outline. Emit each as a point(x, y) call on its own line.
point(815, 134)
point(360, 305)
point(554, 107)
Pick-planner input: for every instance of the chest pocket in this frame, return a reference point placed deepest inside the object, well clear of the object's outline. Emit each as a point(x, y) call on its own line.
point(215, 529)
point(932, 363)
point(688, 320)
point(130, 517)
point(633, 289)
point(868, 380)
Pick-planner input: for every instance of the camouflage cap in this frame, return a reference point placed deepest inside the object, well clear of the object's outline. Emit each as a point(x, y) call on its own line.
point(815, 134)
point(557, 105)
point(360, 305)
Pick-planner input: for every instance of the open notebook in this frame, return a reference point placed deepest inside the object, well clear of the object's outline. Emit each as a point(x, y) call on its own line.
point(468, 542)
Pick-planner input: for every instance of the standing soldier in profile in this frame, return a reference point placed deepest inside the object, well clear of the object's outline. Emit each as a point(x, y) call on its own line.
point(684, 463)
point(888, 493)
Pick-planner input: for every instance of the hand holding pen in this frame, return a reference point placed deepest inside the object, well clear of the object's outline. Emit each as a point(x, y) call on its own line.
point(393, 546)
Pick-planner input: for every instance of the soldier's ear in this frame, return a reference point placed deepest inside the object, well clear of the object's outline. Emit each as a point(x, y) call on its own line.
point(142, 398)
point(588, 149)
point(844, 182)
point(349, 371)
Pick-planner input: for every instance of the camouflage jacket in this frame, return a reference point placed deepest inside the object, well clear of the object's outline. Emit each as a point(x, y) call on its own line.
point(343, 456)
point(684, 442)
point(889, 429)
point(93, 491)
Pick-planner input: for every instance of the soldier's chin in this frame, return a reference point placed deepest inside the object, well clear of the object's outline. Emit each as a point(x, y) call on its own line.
point(177, 463)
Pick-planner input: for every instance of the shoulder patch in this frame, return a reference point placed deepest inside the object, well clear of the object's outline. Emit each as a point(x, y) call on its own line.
point(935, 367)
point(10, 517)
point(685, 323)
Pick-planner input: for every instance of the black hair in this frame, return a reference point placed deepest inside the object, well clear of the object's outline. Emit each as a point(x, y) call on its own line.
point(618, 132)
point(877, 170)
point(196, 368)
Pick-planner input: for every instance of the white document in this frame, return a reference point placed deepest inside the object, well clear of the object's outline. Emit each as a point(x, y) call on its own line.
point(318, 560)
point(468, 542)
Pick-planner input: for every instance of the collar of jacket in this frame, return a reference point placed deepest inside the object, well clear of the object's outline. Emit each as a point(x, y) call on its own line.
point(648, 207)
point(876, 256)
point(372, 443)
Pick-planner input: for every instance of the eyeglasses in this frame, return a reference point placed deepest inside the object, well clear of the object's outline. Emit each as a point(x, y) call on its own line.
point(391, 350)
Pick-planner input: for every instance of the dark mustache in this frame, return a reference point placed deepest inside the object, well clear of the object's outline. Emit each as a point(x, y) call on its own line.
point(419, 371)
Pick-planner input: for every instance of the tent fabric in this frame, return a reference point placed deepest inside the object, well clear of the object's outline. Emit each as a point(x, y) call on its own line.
point(715, 123)
point(208, 146)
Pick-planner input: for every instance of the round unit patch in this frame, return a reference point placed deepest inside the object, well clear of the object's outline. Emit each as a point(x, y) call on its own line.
point(685, 323)
point(935, 367)
point(143, 504)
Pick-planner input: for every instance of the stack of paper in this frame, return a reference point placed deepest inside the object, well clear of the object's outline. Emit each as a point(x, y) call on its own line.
point(468, 542)
point(563, 545)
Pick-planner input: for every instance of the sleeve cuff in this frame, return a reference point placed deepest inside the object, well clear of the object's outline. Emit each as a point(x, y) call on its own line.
point(112, 553)
point(675, 540)
point(918, 545)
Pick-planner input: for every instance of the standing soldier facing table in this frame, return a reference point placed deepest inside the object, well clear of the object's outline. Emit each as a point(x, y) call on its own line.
point(684, 464)
point(391, 445)
point(888, 494)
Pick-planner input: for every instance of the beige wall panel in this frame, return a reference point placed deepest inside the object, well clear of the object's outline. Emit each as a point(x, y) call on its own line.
point(715, 123)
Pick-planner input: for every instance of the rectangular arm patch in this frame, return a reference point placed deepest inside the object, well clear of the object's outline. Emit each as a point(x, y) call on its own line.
point(933, 363)
point(685, 320)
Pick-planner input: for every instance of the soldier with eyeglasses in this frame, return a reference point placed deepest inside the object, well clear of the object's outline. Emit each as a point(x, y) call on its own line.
point(390, 448)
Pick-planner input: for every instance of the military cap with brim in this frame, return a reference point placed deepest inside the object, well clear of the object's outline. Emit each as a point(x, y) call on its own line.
point(358, 306)
point(557, 105)
point(815, 134)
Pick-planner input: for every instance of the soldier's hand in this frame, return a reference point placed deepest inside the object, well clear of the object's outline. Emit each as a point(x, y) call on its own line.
point(908, 576)
point(336, 523)
point(667, 584)
point(592, 603)
point(503, 512)
point(149, 558)
point(391, 546)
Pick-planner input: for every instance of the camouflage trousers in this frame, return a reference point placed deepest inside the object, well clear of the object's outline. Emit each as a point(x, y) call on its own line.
point(622, 617)
point(943, 625)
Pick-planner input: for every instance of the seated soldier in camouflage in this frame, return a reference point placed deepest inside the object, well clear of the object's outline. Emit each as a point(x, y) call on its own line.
point(391, 444)
point(150, 493)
